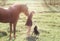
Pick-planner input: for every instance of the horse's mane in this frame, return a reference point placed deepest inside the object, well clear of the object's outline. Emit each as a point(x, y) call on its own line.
point(19, 4)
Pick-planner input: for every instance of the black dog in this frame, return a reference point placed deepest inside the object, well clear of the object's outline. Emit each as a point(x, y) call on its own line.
point(36, 32)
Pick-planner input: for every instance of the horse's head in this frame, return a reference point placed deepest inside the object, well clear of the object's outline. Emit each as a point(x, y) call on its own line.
point(24, 9)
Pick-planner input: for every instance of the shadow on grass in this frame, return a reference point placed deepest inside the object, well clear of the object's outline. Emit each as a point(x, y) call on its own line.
point(2, 34)
point(32, 38)
point(11, 40)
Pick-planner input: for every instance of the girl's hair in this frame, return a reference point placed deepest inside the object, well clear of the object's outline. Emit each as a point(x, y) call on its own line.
point(30, 15)
point(32, 12)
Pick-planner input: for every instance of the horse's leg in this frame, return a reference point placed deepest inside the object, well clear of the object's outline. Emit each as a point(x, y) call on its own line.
point(14, 27)
point(10, 29)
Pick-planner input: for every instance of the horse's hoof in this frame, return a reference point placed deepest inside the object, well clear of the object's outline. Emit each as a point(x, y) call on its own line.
point(10, 38)
point(14, 37)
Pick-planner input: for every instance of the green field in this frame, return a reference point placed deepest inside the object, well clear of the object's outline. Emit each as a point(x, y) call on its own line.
point(48, 26)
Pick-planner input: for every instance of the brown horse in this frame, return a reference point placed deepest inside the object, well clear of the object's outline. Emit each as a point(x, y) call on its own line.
point(11, 15)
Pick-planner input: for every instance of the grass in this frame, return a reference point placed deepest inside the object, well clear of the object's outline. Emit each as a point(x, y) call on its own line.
point(48, 26)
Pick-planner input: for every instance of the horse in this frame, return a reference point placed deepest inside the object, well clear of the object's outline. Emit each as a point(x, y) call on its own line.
point(11, 15)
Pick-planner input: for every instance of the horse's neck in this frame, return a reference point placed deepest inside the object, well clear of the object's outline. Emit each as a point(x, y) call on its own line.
point(14, 10)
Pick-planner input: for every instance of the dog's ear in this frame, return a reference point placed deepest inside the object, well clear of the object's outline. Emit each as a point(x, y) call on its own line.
point(35, 27)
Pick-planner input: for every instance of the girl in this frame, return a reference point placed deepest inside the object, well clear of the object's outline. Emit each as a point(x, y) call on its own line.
point(29, 23)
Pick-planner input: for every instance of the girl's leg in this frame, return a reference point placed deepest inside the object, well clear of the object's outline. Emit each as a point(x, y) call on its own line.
point(28, 30)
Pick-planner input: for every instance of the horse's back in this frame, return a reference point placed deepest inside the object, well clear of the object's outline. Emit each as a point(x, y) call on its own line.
point(3, 11)
point(4, 15)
